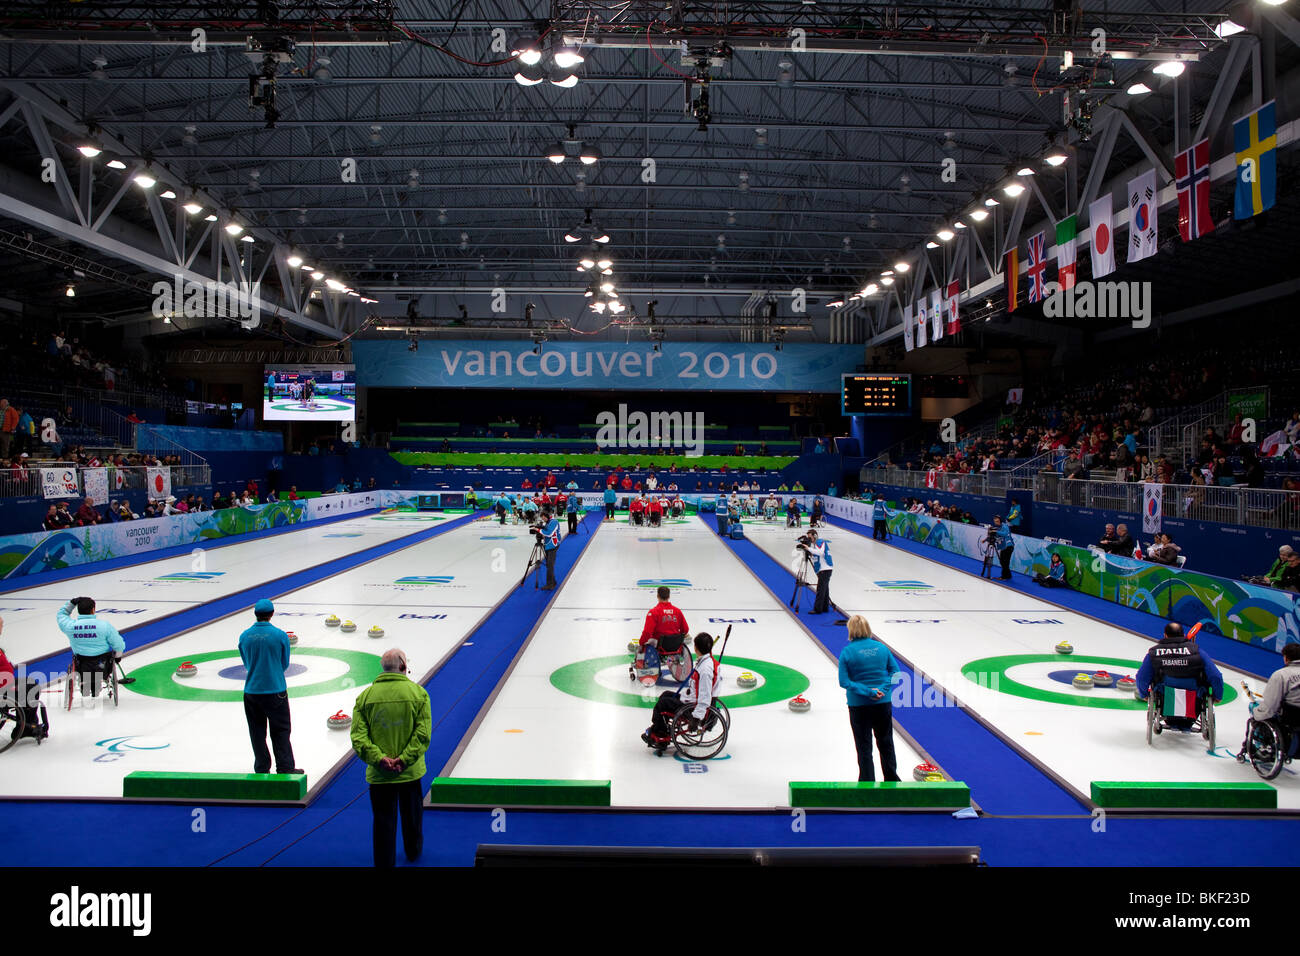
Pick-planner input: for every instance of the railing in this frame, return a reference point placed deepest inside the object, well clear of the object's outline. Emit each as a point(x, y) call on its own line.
point(120, 480)
point(1177, 437)
point(1235, 504)
point(148, 440)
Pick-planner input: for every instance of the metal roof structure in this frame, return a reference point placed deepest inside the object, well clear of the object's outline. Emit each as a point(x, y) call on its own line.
point(746, 150)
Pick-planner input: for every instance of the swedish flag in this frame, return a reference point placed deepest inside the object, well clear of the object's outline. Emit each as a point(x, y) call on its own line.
point(1254, 137)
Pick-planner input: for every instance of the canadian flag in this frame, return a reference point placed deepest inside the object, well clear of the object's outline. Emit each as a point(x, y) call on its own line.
point(931, 478)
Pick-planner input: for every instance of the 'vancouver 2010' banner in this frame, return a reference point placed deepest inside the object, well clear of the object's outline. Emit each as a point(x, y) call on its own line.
point(605, 366)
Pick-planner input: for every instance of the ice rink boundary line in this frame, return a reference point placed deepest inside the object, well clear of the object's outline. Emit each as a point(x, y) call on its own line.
point(898, 729)
point(8, 585)
point(1243, 668)
point(210, 612)
point(472, 729)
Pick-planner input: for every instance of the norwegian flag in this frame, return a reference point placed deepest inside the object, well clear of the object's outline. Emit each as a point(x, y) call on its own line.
point(1037, 269)
point(1192, 176)
point(954, 321)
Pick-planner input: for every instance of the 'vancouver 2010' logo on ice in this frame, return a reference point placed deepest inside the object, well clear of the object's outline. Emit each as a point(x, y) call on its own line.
point(190, 576)
point(663, 583)
point(903, 585)
point(426, 579)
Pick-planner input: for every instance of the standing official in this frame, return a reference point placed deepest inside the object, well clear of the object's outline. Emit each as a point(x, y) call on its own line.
point(264, 649)
point(391, 728)
point(571, 512)
point(879, 528)
point(1005, 544)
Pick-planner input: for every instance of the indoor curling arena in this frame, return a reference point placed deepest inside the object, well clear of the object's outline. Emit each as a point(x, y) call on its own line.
point(787, 437)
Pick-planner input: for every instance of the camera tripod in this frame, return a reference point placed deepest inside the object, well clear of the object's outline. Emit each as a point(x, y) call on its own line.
point(801, 580)
point(536, 559)
point(990, 551)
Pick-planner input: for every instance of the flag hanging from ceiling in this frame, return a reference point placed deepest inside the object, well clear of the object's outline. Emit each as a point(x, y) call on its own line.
point(1066, 251)
point(1254, 137)
point(1142, 216)
point(1037, 268)
point(936, 315)
point(1103, 237)
point(950, 307)
point(907, 327)
point(1192, 176)
point(1012, 274)
point(921, 321)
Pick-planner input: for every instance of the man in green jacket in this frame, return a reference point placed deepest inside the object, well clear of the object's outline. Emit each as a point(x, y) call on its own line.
point(391, 727)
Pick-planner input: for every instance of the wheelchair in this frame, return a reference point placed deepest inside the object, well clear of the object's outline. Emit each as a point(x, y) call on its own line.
point(83, 668)
point(699, 740)
point(769, 513)
point(1158, 719)
point(1269, 746)
point(16, 720)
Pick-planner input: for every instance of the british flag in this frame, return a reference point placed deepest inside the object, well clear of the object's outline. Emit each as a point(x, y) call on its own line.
point(1037, 269)
point(1192, 176)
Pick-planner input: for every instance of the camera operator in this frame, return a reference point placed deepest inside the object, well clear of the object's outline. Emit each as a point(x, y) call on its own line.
point(549, 536)
point(999, 537)
point(820, 552)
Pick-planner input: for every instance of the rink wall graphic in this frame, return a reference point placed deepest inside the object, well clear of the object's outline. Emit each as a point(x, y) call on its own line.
point(1256, 615)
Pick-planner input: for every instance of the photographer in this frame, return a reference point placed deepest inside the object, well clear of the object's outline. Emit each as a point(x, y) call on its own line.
point(820, 552)
point(549, 536)
point(999, 537)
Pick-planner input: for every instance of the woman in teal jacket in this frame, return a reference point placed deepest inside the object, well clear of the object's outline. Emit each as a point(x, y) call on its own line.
point(867, 670)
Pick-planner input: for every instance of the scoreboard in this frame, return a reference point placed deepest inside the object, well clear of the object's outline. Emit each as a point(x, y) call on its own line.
point(876, 393)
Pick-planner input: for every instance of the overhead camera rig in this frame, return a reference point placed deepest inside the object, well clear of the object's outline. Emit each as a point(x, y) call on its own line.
point(705, 62)
point(1084, 81)
point(270, 52)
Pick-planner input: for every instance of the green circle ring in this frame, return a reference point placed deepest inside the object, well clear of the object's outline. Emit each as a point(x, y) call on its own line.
point(980, 671)
point(579, 680)
point(155, 680)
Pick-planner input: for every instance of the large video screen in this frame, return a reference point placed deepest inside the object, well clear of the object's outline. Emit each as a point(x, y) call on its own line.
point(318, 393)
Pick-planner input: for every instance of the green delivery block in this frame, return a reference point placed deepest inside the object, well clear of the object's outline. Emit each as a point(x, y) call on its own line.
point(936, 795)
point(1120, 794)
point(274, 787)
point(498, 792)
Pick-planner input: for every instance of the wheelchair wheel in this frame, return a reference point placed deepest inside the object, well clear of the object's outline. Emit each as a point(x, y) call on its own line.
point(680, 665)
point(706, 740)
point(1152, 717)
point(12, 723)
point(1267, 751)
point(110, 682)
point(68, 684)
point(1207, 724)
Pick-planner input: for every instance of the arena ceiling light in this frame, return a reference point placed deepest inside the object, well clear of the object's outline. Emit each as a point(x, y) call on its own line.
point(932, 244)
point(144, 180)
point(247, 239)
point(1055, 158)
point(529, 75)
point(587, 230)
point(210, 217)
point(1025, 171)
point(1138, 88)
point(568, 81)
point(192, 208)
point(317, 275)
point(901, 266)
point(1013, 189)
point(168, 194)
point(526, 50)
point(233, 228)
point(294, 260)
point(334, 285)
point(89, 147)
point(1170, 68)
point(556, 153)
point(566, 57)
point(945, 234)
point(991, 202)
point(958, 224)
point(587, 154)
point(979, 215)
point(886, 280)
point(70, 291)
point(1228, 28)
point(115, 164)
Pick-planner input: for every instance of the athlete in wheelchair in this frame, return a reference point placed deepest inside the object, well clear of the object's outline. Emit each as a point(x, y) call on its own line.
point(21, 712)
point(662, 643)
point(1273, 730)
point(770, 507)
point(1181, 685)
point(691, 719)
point(96, 648)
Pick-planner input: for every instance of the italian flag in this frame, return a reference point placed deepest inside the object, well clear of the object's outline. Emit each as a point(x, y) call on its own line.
point(1179, 702)
point(1066, 251)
